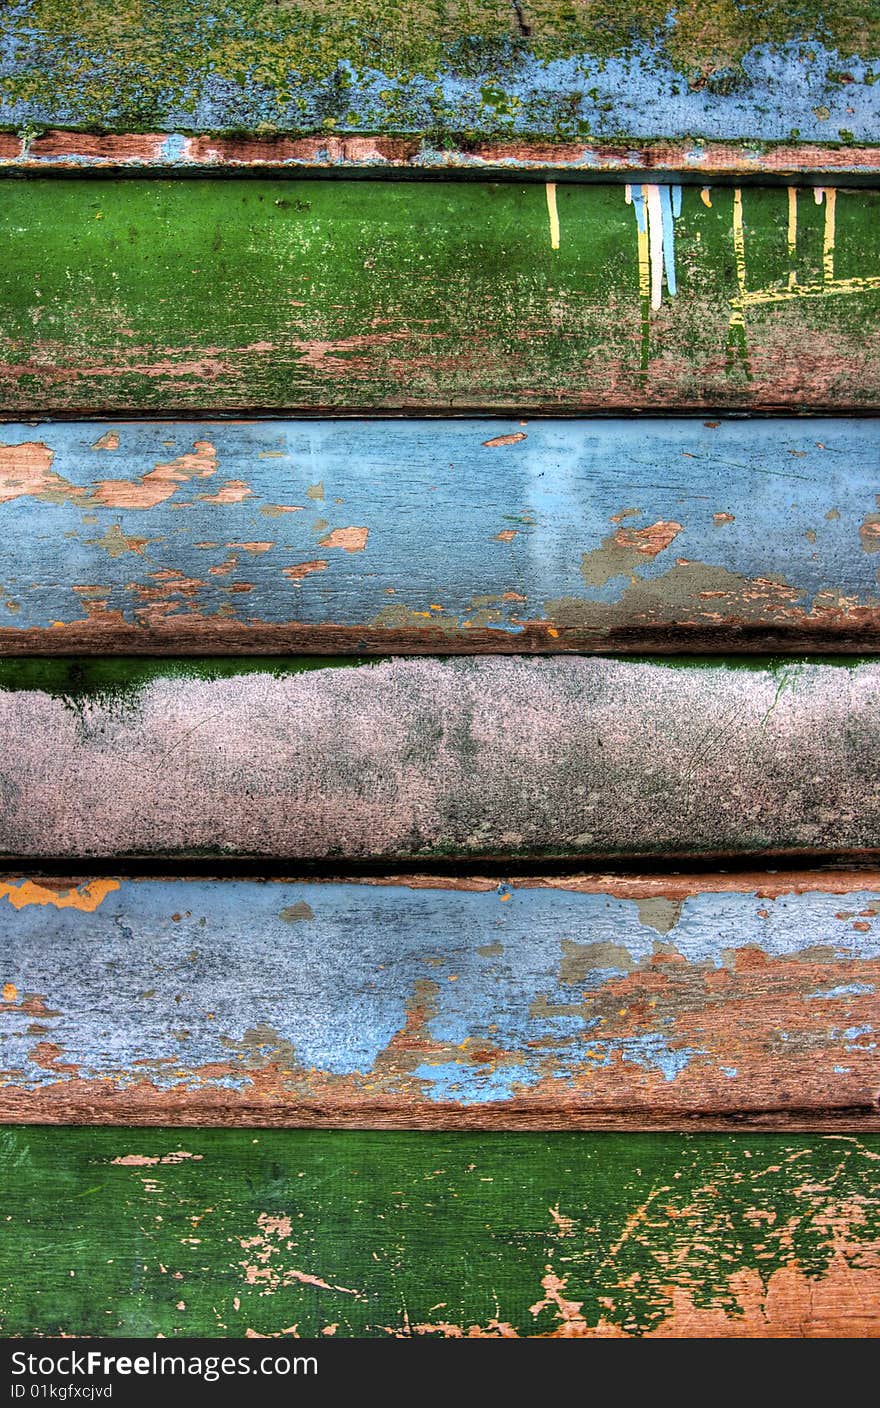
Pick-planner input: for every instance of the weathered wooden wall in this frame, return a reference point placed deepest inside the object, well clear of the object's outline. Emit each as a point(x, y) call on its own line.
point(470, 757)
point(386, 536)
point(246, 1232)
point(257, 294)
point(580, 1003)
point(738, 271)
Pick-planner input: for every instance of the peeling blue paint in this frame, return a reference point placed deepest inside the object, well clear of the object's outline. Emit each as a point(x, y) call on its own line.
point(127, 990)
point(434, 499)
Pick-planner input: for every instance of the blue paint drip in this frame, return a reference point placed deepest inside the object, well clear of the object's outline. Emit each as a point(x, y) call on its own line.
point(638, 201)
point(668, 238)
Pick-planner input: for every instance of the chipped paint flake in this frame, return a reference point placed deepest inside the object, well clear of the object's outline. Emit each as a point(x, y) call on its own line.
point(514, 438)
point(108, 441)
point(87, 897)
point(349, 539)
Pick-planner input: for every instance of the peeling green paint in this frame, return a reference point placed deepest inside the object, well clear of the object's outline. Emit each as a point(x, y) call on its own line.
point(434, 1234)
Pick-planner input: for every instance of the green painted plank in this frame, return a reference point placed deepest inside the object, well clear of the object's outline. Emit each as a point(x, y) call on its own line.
point(446, 70)
point(625, 1003)
point(475, 756)
point(235, 1232)
point(287, 294)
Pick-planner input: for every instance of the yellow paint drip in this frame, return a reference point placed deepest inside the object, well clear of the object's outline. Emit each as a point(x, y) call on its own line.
point(792, 233)
point(829, 234)
point(644, 265)
point(87, 898)
point(739, 241)
point(554, 214)
point(706, 197)
point(10, 992)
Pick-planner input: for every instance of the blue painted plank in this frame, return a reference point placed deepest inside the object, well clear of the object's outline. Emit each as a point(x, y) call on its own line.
point(640, 1002)
point(439, 536)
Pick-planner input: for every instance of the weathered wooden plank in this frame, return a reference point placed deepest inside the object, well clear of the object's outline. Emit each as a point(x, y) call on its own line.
point(234, 1233)
point(591, 1003)
point(474, 70)
point(796, 163)
point(477, 757)
point(421, 536)
point(260, 294)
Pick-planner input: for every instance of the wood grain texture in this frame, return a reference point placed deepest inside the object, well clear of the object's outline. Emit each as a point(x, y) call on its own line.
point(239, 1232)
point(472, 757)
point(431, 536)
point(267, 295)
point(508, 1006)
point(478, 68)
point(799, 163)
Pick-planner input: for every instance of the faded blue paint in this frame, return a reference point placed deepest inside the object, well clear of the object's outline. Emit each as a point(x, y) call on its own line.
point(434, 499)
point(128, 989)
point(776, 91)
point(639, 203)
point(454, 1080)
point(843, 990)
point(173, 149)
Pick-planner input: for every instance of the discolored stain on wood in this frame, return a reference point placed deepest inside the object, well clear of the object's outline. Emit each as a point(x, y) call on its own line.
point(809, 163)
point(469, 757)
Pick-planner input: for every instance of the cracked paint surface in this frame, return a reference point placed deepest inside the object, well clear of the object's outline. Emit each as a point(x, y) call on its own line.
point(388, 998)
point(614, 532)
point(400, 295)
point(359, 1234)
